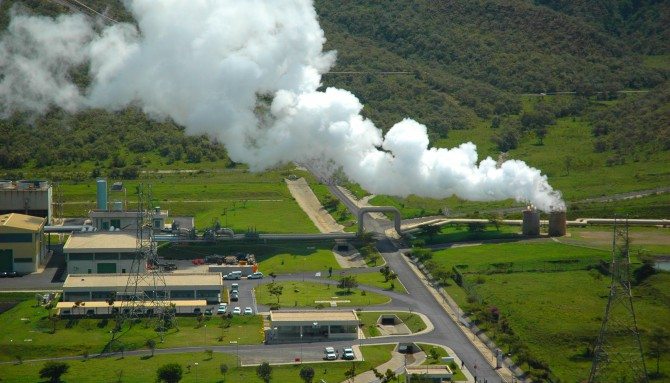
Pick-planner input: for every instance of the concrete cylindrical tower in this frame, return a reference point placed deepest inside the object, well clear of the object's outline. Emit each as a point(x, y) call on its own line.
point(102, 194)
point(557, 223)
point(531, 222)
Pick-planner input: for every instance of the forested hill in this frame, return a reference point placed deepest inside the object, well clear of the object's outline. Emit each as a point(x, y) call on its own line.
point(465, 64)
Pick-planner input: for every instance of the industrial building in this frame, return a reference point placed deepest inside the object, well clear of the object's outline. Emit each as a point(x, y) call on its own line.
point(312, 326)
point(178, 287)
point(113, 307)
point(429, 373)
point(113, 215)
point(100, 252)
point(22, 246)
point(29, 197)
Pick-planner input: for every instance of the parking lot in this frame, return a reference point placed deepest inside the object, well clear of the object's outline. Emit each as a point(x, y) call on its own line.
point(307, 353)
point(246, 298)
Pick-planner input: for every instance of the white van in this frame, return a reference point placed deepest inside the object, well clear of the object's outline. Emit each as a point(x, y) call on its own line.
point(233, 275)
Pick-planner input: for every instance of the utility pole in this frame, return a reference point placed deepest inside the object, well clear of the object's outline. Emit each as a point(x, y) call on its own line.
point(618, 355)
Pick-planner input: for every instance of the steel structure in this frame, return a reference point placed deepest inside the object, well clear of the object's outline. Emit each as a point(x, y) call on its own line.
point(145, 295)
point(618, 355)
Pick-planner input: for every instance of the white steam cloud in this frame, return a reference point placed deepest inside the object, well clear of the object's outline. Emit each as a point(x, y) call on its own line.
point(246, 72)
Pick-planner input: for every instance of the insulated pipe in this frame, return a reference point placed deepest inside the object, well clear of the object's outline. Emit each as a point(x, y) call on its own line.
point(379, 209)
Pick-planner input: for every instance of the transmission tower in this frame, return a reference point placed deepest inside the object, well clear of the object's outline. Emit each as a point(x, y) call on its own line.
point(145, 294)
point(618, 353)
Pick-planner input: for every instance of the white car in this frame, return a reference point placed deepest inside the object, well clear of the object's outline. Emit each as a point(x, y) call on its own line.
point(330, 353)
point(256, 275)
point(237, 310)
point(248, 311)
point(348, 353)
point(222, 309)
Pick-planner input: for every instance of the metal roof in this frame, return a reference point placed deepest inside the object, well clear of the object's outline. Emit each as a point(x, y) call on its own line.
point(100, 242)
point(21, 222)
point(313, 316)
point(119, 281)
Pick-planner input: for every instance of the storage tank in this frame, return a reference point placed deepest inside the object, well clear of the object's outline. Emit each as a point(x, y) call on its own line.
point(531, 222)
point(557, 223)
point(102, 194)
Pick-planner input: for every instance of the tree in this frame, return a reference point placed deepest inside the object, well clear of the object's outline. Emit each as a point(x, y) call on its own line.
point(169, 373)
point(151, 345)
point(659, 345)
point(224, 370)
point(434, 354)
point(276, 290)
point(430, 231)
point(348, 282)
point(476, 227)
point(350, 373)
point(386, 270)
point(264, 371)
point(53, 371)
point(209, 354)
point(307, 374)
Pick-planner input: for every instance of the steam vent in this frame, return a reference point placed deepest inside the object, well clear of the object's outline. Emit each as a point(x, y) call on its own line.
point(557, 223)
point(531, 222)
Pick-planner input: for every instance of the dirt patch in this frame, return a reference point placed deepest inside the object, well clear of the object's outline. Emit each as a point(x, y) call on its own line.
point(308, 202)
point(637, 238)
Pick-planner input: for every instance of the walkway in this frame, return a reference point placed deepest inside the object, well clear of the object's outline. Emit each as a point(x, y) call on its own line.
point(396, 363)
point(308, 202)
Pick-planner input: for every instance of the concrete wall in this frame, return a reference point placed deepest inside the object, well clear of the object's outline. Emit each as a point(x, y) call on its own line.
point(82, 266)
point(34, 250)
point(31, 202)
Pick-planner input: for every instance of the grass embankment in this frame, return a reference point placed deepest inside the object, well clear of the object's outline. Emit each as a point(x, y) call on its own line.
point(549, 300)
point(441, 352)
point(376, 279)
point(305, 294)
point(236, 198)
point(460, 233)
point(133, 369)
point(28, 333)
point(334, 207)
point(274, 256)
point(369, 321)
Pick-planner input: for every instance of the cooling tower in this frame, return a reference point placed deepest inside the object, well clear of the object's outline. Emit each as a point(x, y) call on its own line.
point(531, 222)
point(557, 224)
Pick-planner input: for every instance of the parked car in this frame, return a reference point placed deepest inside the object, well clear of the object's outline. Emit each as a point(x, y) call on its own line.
point(233, 275)
point(237, 310)
point(235, 286)
point(348, 353)
point(208, 311)
point(8, 274)
point(234, 296)
point(256, 275)
point(222, 309)
point(248, 311)
point(330, 353)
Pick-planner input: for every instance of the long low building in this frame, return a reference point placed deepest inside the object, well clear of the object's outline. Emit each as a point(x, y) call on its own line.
point(183, 286)
point(312, 326)
point(113, 307)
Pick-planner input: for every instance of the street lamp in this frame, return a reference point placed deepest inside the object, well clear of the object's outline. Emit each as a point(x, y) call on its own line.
point(300, 347)
point(196, 371)
point(205, 335)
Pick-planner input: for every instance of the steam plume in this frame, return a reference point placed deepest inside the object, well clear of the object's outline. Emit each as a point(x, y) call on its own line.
point(246, 72)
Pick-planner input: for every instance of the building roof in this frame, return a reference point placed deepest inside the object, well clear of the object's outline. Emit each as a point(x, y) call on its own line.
point(100, 242)
point(21, 222)
point(313, 316)
point(118, 281)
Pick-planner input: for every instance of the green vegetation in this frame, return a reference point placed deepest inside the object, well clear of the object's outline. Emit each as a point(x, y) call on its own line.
point(369, 321)
point(136, 369)
point(334, 207)
point(280, 257)
point(527, 295)
point(305, 294)
point(440, 352)
point(28, 333)
point(376, 279)
point(461, 233)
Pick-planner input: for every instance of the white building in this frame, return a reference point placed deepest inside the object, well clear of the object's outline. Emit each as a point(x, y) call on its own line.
point(30, 197)
point(125, 220)
point(312, 326)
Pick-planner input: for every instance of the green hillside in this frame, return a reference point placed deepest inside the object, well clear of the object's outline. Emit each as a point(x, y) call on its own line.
point(469, 70)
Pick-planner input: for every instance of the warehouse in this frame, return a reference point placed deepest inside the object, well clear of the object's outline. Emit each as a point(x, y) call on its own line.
point(183, 286)
point(100, 252)
point(30, 197)
point(113, 307)
point(22, 246)
point(312, 326)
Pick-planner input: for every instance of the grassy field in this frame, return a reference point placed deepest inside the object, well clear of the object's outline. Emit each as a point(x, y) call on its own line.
point(305, 294)
point(369, 321)
point(458, 374)
point(274, 256)
point(27, 332)
point(556, 314)
point(133, 369)
point(376, 279)
point(521, 256)
point(651, 240)
point(235, 198)
point(460, 233)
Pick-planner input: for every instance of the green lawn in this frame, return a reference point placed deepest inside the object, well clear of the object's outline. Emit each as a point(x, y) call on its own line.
point(369, 321)
point(458, 374)
point(139, 369)
point(304, 294)
point(280, 257)
point(562, 309)
point(27, 333)
point(518, 256)
point(376, 279)
point(460, 233)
